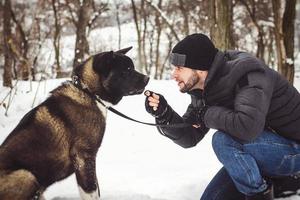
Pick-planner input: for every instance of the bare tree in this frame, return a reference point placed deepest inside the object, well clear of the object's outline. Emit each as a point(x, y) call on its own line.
point(118, 4)
point(280, 51)
point(1, 30)
point(20, 45)
point(221, 23)
point(164, 18)
point(284, 36)
point(7, 36)
point(83, 14)
point(39, 32)
point(158, 30)
point(185, 15)
point(288, 29)
point(97, 10)
point(23, 41)
point(82, 45)
point(144, 29)
point(138, 32)
point(251, 7)
point(56, 38)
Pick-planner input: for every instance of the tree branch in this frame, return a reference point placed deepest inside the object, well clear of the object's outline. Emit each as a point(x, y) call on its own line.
point(164, 18)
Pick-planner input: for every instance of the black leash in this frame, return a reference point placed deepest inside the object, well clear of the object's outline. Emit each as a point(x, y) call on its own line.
point(180, 125)
point(76, 83)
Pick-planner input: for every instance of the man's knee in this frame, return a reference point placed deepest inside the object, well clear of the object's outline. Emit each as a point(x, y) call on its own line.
point(224, 144)
point(218, 141)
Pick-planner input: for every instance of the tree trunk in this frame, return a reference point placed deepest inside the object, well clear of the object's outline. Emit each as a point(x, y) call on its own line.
point(20, 48)
point(144, 24)
point(138, 32)
point(56, 39)
point(221, 23)
point(270, 49)
point(251, 8)
point(8, 58)
point(288, 29)
point(158, 34)
point(284, 37)
point(81, 45)
point(280, 50)
point(119, 24)
point(185, 16)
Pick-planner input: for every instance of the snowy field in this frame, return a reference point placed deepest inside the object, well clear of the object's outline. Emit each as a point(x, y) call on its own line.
point(134, 162)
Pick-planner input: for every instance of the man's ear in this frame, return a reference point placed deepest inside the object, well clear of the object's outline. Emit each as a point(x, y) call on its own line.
point(124, 51)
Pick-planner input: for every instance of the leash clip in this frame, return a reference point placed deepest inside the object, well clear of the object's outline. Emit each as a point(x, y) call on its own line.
point(75, 79)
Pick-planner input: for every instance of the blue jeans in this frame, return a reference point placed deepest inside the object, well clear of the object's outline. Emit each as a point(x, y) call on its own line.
point(221, 187)
point(245, 164)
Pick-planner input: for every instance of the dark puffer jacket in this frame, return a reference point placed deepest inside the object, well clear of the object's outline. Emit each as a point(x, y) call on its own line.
point(244, 98)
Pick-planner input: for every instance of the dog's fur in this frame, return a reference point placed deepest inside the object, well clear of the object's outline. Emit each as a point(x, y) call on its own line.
point(62, 135)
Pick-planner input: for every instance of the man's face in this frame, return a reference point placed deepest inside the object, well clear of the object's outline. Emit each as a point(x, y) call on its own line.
point(189, 79)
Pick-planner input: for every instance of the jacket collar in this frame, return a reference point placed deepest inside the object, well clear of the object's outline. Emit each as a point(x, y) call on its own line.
point(218, 63)
point(196, 93)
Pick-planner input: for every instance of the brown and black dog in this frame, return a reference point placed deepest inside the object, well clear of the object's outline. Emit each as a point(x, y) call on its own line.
point(62, 135)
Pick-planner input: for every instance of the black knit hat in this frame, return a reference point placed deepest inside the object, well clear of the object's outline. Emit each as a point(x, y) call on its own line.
point(195, 51)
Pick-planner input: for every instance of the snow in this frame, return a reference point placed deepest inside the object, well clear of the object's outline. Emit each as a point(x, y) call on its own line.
point(134, 162)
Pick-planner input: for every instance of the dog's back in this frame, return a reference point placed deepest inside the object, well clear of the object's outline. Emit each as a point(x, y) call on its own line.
point(39, 150)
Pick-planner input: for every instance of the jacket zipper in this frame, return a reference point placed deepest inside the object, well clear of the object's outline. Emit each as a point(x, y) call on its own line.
point(203, 99)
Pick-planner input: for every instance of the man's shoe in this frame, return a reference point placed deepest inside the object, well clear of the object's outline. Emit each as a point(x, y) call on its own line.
point(268, 194)
point(286, 186)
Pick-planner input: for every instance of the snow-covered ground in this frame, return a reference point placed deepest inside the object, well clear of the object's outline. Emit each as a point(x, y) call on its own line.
point(134, 162)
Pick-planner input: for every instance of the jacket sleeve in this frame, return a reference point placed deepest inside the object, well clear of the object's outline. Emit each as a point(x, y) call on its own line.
point(185, 137)
point(251, 103)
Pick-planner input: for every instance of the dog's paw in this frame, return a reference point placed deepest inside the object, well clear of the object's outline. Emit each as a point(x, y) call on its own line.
point(89, 196)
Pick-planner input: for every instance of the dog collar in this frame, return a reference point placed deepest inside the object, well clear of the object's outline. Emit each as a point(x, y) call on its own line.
point(77, 83)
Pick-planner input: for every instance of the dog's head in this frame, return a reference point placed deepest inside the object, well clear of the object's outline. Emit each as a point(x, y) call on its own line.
point(111, 75)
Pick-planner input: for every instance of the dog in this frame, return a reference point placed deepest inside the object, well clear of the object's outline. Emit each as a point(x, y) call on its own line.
point(61, 136)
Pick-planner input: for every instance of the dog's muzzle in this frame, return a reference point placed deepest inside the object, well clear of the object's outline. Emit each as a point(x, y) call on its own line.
point(141, 90)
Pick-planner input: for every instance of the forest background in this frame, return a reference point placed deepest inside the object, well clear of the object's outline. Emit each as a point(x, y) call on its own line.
point(32, 33)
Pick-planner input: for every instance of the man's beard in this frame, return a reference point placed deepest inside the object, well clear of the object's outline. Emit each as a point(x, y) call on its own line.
point(192, 81)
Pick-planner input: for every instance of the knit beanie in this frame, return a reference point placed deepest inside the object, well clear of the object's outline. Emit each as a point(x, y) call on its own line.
point(195, 51)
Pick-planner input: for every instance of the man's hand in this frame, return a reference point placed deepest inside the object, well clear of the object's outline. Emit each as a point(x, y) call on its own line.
point(200, 116)
point(155, 104)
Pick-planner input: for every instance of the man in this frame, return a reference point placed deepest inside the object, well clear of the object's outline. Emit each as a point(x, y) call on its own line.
point(255, 111)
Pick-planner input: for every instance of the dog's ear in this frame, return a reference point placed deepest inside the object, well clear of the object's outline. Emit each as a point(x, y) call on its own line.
point(104, 58)
point(102, 62)
point(124, 51)
point(108, 57)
